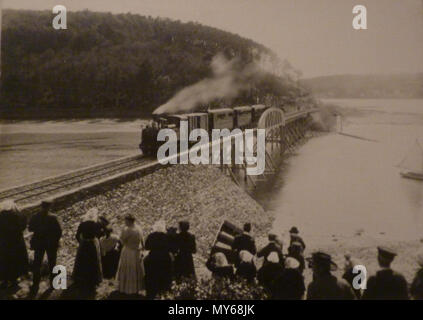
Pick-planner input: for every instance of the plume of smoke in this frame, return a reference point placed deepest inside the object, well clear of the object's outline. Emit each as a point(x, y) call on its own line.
point(227, 81)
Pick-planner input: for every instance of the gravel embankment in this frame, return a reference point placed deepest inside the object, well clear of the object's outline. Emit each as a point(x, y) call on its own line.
point(200, 194)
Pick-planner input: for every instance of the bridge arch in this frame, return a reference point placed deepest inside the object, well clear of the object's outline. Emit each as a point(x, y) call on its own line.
point(272, 118)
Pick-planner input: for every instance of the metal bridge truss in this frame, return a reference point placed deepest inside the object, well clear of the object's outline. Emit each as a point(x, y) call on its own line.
point(283, 132)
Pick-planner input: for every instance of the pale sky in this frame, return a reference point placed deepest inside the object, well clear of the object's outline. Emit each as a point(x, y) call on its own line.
point(316, 36)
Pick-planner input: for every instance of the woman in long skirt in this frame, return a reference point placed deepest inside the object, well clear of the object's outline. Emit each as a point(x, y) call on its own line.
point(87, 272)
point(184, 263)
point(130, 272)
point(110, 253)
point(158, 263)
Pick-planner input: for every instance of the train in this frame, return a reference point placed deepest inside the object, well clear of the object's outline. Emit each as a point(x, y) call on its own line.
point(241, 117)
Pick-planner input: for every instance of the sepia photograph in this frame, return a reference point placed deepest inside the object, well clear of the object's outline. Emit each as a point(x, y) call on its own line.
point(231, 150)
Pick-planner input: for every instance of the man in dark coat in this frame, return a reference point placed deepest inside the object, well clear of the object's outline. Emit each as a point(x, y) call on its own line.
point(326, 286)
point(273, 245)
point(387, 284)
point(13, 254)
point(186, 247)
point(47, 233)
point(244, 242)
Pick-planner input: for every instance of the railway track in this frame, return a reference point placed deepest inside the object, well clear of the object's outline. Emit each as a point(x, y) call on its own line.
point(47, 187)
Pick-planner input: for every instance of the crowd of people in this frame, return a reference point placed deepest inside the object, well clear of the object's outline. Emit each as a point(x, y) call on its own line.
point(166, 255)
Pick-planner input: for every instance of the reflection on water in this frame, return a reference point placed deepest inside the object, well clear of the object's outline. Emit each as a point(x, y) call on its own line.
point(340, 186)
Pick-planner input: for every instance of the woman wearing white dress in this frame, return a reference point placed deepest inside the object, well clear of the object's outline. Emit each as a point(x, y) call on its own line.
point(130, 272)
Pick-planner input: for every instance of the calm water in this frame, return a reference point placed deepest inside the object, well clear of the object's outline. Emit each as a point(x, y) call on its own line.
point(30, 151)
point(338, 186)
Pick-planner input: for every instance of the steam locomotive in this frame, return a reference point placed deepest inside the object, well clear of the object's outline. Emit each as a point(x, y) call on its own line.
point(227, 118)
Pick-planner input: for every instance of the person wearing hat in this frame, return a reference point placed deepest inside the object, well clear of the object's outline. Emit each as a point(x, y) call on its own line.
point(246, 268)
point(158, 263)
point(294, 234)
point(273, 246)
point(47, 232)
point(219, 266)
point(13, 254)
point(270, 270)
point(289, 285)
point(186, 247)
point(416, 289)
point(87, 271)
point(386, 284)
point(326, 286)
point(244, 241)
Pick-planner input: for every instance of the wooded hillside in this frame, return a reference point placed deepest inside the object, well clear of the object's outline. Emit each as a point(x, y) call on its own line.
point(119, 66)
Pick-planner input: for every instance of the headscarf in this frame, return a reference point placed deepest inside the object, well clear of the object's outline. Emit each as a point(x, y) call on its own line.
point(91, 215)
point(291, 263)
point(246, 256)
point(273, 257)
point(8, 206)
point(221, 260)
point(419, 258)
point(159, 226)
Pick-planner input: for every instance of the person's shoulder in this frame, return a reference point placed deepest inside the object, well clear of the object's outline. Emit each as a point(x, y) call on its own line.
point(342, 283)
point(398, 275)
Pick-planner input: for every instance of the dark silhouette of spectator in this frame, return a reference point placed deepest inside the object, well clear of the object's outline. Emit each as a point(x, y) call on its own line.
point(13, 254)
point(158, 263)
point(246, 268)
point(273, 246)
point(47, 233)
point(172, 235)
point(289, 285)
point(295, 251)
point(87, 271)
point(295, 237)
point(186, 247)
point(244, 242)
point(387, 284)
point(416, 289)
point(110, 247)
point(270, 270)
point(349, 275)
point(218, 265)
point(326, 286)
